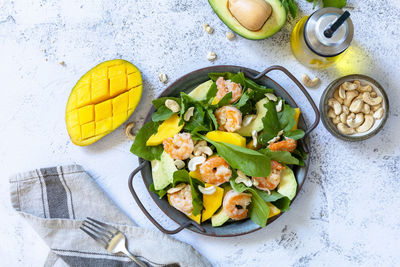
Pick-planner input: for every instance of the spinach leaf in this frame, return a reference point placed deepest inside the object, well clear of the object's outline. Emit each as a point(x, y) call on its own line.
point(161, 101)
point(163, 113)
point(290, 6)
point(280, 156)
point(139, 147)
point(295, 134)
point(271, 123)
point(212, 92)
point(258, 208)
point(300, 154)
point(225, 100)
point(212, 118)
point(274, 196)
point(161, 193)
point(247, 160)
point(282, 203)
point(182, 176)
point(286, 118)
point(334, 3)
point(258, 88)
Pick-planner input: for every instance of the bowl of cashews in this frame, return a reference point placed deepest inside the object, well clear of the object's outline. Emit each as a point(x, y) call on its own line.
point(354, 107)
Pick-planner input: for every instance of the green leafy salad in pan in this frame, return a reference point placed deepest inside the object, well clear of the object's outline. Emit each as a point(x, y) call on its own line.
point(224, 151)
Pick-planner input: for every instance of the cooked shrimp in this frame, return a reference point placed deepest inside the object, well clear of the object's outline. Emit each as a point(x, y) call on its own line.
point(271, 181)
point(229, 118)
point(235, 204)
point(182, 200)
point(215, 170)
point(227, 86)
point(285, 145)
point(180, 146)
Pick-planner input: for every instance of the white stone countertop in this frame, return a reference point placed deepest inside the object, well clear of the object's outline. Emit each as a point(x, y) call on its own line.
point(347, 213)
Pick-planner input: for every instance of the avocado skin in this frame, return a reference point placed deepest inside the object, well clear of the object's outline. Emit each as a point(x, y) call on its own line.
point(272, 25)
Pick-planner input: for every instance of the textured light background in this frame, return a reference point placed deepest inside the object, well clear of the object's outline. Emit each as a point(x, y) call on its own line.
point(348, 211)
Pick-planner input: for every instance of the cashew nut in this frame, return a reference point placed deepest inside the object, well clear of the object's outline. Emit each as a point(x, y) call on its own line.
point(350, 95)
point(207, 190)
point(177, 188)
point(376, 107)
point(271, 97)
point(188, 114)
point(254, 135)
point(342, 93)
point(352, 115)
point(172, 105)
point(378, 114)
point(345, 109)
point(331, 113)
point(344, 129)
point(356, 106)
point(366, 109)
point(365, 88)
point(203, 150)
point(337, 107)
point(336, 120)
point(355, 122)
point(163, 77)
point(211, 56)
point(179, 164)
point(307, 81)
point(248, 119)
point(337, 97)
point(242, 178)
point(373, 94)
point(128, 130)
point(348, 86)
point(192, 165)
point(279, 106)
point(368, 122)
point(208, 28)
point(370, 100)
point(343, 118)
point(230, 36)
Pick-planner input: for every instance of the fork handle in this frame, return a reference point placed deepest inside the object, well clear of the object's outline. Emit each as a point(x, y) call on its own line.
point(133, 258)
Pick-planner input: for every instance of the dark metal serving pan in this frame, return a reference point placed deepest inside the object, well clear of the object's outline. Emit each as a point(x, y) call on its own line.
point(186, 84)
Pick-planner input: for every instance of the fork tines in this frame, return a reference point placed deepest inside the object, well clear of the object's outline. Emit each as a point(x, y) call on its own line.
point(98, 231)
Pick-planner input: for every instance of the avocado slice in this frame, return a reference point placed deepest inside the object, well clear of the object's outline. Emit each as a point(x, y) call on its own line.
point(219, 218)
point(257, 123)
point(200, 92)
point(163, 171)
point(288, 184)
point(274, 23)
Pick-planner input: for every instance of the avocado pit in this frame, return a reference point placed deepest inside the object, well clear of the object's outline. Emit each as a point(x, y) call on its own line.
point(251, 14)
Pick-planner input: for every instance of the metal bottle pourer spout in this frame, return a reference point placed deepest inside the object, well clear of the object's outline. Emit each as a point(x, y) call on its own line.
point(328, 33)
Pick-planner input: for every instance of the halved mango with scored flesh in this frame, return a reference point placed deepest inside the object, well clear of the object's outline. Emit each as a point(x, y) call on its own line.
point(196, 218)
point(231, 138)
point(167, 129)
point(211, 203)
point(102, 99)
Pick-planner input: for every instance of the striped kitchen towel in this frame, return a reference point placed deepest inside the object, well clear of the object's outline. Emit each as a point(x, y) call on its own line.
point(56, 200)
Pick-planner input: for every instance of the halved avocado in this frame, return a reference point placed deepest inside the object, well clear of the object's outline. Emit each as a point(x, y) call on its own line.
point(274, 23)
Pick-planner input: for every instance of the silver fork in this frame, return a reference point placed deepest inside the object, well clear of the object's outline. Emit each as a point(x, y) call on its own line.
point(110, 237)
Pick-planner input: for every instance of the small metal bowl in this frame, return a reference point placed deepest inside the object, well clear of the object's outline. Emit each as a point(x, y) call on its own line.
point(328, 93)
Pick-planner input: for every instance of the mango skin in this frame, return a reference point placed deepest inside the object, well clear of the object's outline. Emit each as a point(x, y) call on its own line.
point(102, 99)
point(167, 129)
point(211, 203)
point(230, 138)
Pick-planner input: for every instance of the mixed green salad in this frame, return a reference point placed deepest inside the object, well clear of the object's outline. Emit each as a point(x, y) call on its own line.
point(224, 151)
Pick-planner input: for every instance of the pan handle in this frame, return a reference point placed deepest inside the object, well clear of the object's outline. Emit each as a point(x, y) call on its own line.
point(301, 87)
point(162, 229)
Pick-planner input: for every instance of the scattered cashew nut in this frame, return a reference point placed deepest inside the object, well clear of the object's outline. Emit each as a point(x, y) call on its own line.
point(307, 81)
point(128, 130)
point(179, 164)
point(177, 188)
point(188, 114)
point(192, 165)
point(207, 190)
